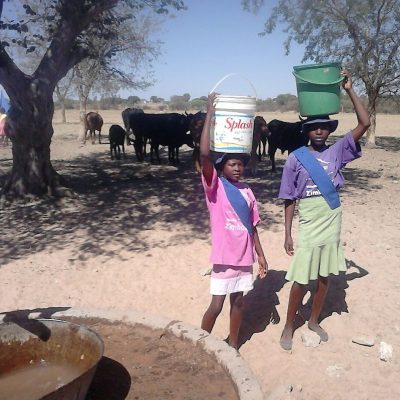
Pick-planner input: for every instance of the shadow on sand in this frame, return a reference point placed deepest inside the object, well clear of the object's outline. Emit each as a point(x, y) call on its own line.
point(336, 298)
point(260, 305)
point(261, 302)
point(119, 200)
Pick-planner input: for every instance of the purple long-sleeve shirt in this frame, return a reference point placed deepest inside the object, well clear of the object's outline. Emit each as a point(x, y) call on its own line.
point(296, 182)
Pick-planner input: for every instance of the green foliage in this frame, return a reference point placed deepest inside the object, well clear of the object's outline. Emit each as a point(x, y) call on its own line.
point(199, 104)
point(266, 105)
point(179, 102)
point(281, 103)
point(133, 100)
point(106, 103)
point(155, 99)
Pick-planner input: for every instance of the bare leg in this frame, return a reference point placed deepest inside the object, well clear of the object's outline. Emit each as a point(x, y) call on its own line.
point(214, 309)
point(237, 307)
point(318, 303)
point(296, 296)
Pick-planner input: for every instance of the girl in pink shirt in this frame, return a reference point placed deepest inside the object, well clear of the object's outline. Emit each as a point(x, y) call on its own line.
point(235, 242)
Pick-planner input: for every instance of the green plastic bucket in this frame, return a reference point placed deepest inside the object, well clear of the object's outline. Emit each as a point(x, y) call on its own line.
point(318, 88)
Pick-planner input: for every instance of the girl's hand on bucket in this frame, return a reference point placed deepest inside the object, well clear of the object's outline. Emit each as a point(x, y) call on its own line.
point(211, 102)
point(347, 83)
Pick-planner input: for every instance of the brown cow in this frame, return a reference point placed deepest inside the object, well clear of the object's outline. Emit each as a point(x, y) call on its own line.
point(93, 123)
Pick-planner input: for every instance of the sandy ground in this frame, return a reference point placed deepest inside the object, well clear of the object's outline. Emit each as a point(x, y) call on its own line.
point(137, 237)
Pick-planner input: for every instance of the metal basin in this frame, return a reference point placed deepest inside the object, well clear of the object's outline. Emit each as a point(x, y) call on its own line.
point(47, 359)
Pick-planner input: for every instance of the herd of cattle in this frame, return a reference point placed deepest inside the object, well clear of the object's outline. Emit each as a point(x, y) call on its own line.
point(175, 130)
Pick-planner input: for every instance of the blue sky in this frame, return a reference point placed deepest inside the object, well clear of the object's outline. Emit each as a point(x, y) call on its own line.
point(214, 38)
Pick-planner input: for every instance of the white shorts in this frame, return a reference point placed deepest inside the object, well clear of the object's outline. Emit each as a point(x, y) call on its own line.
point(226, 279)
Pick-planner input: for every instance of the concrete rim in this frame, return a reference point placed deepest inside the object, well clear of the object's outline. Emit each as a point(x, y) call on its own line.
point(242, 377)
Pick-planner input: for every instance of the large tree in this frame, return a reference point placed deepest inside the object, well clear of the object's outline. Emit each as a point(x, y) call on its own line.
point(363, 34)
point(70, 27)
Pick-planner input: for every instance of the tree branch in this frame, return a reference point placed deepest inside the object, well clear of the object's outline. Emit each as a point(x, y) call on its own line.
point(63, 52)
point(11, 77)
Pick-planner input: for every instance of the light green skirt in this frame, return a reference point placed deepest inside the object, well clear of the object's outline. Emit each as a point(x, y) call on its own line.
point(318, 250)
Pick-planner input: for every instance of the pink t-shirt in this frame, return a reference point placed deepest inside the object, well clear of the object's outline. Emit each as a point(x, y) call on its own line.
point(231, 243)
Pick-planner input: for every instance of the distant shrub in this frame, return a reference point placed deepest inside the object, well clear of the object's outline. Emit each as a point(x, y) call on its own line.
point(198, 104)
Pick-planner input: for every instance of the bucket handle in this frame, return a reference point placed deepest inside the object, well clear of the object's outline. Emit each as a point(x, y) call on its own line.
point(317, 83)
point(234, 74)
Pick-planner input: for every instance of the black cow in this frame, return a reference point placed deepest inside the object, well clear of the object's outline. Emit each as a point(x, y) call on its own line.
point(260, 136)
point(116, 136)
point(260, 133)
point(195, 128)
point(163, 130)
point(125, 118)
point(93, 123)
point(286, 136)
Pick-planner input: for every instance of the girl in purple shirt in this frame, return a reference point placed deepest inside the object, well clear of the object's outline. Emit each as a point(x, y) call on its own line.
point(318, 252)
point(234, 236)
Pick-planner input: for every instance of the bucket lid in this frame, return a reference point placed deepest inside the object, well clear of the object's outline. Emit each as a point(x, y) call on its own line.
point(235, 102)
point(235, 99)
point(334, 64)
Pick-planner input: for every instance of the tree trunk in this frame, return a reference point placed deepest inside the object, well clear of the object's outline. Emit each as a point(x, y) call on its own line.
point(370, 136)
point(29, 125)
point(63, 118)
point(61, 99)
point(82, 115)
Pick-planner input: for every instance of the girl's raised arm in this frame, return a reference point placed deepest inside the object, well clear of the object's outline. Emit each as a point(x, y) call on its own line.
point(362, 114)
point(207, 167)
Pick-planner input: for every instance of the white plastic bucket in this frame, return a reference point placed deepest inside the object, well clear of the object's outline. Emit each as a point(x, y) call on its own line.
point(233, 122)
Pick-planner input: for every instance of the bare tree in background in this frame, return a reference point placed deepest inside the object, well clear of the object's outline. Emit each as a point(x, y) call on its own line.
point(62, 90)
point(70, 27)
point(363, 34)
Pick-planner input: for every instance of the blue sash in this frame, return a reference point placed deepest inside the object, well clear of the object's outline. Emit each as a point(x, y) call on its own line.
point(319, 176)
point(238, 203)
